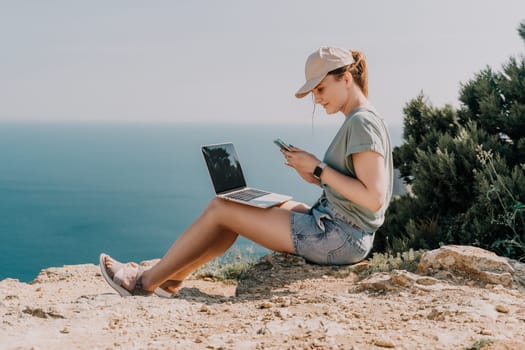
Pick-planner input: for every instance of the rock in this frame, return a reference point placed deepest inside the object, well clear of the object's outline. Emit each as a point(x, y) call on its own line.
point(38, 312)
point(426, 281)
point(301, 310)
point(384, 343)
point(66, 273)
point(470, 262)
point(360, 266)
point(403, 278)
point(380, 282)
point(519, 273)
point(388, 281)
point(265, 305)
point(485, 332)
point(503, 309)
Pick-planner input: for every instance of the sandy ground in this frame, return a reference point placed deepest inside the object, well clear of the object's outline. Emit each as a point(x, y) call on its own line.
point(283, 303)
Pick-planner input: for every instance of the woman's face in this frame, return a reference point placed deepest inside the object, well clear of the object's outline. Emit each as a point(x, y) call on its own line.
point(332, 94)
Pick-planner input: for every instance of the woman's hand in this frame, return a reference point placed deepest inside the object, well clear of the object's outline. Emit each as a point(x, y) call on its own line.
point(368, 188)
point(303, 162)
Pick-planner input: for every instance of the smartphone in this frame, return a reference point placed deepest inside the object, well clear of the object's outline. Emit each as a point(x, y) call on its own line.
point(282, 145)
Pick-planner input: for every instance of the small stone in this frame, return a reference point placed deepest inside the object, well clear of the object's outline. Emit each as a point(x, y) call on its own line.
point(402, 278)
point(361, 266)
point(65, 330)
point(265, 305)
point(384, 343)
point(263, 330)
point(36, 312)
point(442, 274)
point(502, 309)
point(485, 332)
point(426, 281)
point(204, 308)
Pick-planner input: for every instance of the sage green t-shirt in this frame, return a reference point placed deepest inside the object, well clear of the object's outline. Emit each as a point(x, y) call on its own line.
point(362, 130)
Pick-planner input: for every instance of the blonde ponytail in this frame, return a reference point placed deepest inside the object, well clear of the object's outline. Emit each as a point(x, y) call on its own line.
point(359, 71)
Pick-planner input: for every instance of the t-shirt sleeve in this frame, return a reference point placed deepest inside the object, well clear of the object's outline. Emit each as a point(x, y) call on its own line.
point(364, 135)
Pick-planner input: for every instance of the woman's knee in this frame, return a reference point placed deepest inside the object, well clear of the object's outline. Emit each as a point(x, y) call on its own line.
point(216, 208)
point(219, 211)
point(214, 204)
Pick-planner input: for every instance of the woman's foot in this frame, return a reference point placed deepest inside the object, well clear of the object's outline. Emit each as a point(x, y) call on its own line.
point(126, 279)
point(168, 288)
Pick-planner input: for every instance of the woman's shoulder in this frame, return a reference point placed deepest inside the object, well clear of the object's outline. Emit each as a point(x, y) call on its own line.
point(364, 115)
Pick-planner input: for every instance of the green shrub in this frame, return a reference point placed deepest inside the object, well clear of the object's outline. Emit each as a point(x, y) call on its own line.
point(466, 168)
point(408, 261)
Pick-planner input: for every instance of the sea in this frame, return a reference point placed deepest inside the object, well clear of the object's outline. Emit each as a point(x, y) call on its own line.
point(69, 191)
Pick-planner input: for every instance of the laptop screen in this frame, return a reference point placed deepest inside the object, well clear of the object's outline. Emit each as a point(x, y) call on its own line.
point(224, 167)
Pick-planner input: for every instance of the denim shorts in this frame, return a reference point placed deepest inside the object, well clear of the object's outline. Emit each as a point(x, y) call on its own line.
point(325, 237)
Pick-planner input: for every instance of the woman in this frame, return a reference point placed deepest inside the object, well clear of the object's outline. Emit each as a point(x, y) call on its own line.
point(356, 176)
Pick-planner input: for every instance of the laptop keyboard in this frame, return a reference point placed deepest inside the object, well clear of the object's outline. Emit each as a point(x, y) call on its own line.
point(246, 195)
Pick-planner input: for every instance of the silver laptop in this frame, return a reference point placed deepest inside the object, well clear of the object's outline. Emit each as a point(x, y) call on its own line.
point(228, 180)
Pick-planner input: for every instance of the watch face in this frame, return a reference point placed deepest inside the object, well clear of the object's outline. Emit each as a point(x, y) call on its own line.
point(317, 172)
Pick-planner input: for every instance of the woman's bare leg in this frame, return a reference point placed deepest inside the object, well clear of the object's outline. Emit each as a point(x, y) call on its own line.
point(223, 243)
point(295, 206)
point(214, 232)
point(216, 249)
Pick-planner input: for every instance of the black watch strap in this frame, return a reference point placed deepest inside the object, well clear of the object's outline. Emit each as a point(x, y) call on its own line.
point(319, 170)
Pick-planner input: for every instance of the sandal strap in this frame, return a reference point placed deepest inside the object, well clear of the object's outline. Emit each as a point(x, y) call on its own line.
point(139, 289)
point(118, 277)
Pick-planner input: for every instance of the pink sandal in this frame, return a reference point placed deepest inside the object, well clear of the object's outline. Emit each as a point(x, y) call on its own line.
point(115, 280)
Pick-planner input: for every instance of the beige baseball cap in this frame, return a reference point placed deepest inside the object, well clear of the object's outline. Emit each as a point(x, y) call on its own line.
point(319, 63)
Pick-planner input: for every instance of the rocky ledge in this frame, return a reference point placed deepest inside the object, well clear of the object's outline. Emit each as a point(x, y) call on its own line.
point(459, 297)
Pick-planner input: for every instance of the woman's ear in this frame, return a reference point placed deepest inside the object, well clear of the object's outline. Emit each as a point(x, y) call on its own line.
point(349, 80)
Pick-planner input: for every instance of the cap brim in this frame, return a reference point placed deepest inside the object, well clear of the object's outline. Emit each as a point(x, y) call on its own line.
point(308, 86)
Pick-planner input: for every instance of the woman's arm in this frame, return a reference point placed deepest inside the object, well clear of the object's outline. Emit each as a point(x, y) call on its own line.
point(367, 189)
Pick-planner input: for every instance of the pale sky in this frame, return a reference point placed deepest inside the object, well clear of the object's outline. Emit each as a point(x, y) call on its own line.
point(214, 61)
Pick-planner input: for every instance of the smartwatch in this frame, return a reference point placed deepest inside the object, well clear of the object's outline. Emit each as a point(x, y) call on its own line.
point(319, 170)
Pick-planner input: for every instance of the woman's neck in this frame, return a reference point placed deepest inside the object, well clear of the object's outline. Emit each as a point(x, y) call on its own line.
point(359, 100)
